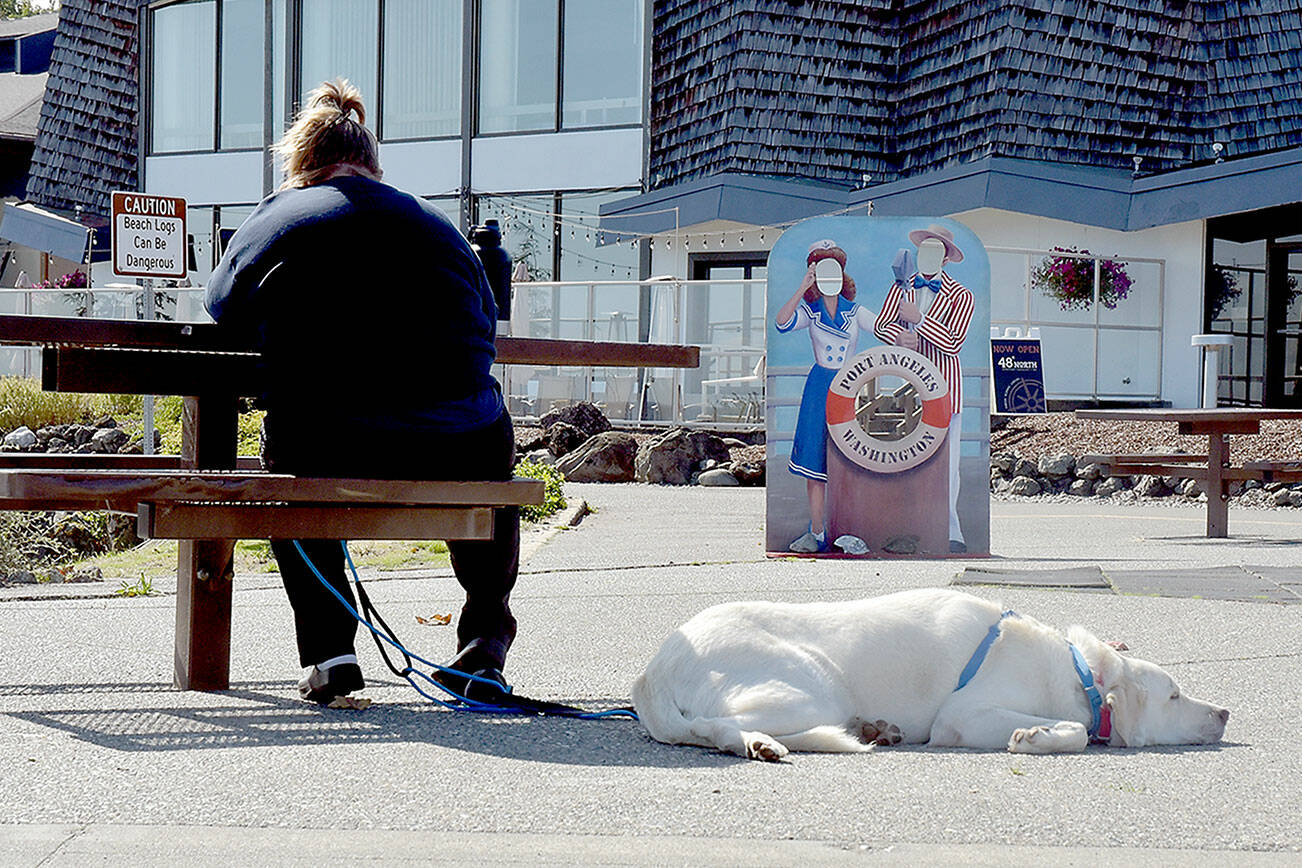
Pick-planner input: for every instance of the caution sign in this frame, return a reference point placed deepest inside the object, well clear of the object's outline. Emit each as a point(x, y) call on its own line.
point(149, 238)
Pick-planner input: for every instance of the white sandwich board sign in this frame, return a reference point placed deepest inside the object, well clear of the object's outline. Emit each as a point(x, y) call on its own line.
point(149, 238)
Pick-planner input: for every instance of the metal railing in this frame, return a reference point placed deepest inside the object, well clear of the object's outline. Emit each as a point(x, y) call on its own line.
point(725, 318)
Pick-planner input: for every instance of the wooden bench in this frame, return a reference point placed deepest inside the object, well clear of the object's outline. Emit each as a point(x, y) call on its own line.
point(207, 497)
point(1211, 468)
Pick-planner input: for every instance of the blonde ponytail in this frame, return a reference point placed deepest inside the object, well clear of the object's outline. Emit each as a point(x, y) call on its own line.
point(325, 135)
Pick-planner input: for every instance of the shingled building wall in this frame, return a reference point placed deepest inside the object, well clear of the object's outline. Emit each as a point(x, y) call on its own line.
point(831, 91)
point(86, 138)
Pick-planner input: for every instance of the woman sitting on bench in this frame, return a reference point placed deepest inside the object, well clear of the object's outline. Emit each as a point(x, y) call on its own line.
point(372, 314)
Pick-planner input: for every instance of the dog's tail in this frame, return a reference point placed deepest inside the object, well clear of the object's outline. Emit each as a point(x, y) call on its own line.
point(653, 699)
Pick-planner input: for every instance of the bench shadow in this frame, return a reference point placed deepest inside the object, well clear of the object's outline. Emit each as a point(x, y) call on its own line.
point(263, 714)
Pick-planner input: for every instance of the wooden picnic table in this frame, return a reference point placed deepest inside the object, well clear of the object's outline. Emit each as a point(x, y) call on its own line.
point(1212, 469)
point(205, 365)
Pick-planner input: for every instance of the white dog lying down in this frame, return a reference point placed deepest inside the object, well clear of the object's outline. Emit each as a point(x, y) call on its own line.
point(760, 679)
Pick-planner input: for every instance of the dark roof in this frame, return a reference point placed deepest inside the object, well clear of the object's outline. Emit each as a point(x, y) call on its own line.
point(1081, 194)
point(832, 90)
point(20, 105)
point(86, 142)
point(10, 27)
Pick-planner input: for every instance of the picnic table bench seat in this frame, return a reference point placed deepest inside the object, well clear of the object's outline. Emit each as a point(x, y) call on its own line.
point(229, 505)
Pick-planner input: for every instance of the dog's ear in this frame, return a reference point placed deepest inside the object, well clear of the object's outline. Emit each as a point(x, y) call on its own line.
point(1126, 700)
point(1108, 666)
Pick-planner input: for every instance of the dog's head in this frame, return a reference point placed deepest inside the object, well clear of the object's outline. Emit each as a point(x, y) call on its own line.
point(1147, 705)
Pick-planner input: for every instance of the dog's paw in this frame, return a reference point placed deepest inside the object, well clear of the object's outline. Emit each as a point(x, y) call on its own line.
point(880, 733)
point(763, 747)
point(1066, 736)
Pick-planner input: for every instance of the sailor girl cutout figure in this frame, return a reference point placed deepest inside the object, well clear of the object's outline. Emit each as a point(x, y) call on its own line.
point(824, 304)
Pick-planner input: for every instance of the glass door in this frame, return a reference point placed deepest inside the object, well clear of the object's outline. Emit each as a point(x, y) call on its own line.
point(1284, 325)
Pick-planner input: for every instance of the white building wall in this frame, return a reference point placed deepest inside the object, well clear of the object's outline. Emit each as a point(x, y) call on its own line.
point(207, 179)
point(1180, 245)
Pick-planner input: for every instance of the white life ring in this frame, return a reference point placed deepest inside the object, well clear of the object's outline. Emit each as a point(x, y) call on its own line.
point(873, 453)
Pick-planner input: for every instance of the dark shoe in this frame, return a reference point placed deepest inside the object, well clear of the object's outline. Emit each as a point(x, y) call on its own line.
point(322, 686)
point(957, 548)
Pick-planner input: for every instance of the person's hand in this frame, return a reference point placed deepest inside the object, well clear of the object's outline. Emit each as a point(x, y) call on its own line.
point(909, 311)
point(907, 339)
point(808, 280)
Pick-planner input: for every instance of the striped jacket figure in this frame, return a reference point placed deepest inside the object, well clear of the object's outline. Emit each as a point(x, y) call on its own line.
point(930, 313)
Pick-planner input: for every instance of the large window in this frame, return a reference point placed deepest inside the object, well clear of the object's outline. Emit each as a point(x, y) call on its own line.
point(521, 64)
point(422, 69)
point(184, 70)
point(340, 39)
point(243, 32)
point(517, 65)
point(602, 63)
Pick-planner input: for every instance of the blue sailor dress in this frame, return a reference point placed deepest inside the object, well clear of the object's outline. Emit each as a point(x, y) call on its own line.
point(833, 338)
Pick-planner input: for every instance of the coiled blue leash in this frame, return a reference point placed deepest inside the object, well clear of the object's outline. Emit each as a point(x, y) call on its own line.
point(460, 703)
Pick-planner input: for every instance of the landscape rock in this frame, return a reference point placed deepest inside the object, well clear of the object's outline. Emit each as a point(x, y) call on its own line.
point(1151, 486)
point(1025, 486)
point(1092, 470)
point(717, 476)
point(1062, 464)
point(22, 577)
point(608, 457)
point(21, 437)
point(540, 456)
point(748, 472)
point(1022, 467)
point(672, 458)
point(1282, 497)
point(109, 439)
point(1082, 488)
point(563, 438)
point(1109, 486)
point(583, 415)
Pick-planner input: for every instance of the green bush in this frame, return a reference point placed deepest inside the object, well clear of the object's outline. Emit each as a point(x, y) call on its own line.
point(23, 403)
point(553, 491)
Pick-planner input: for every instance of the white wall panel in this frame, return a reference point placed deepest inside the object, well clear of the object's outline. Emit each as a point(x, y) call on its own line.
point(557, 161)
point(207, 179)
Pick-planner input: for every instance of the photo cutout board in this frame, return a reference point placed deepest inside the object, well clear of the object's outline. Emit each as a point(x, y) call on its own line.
point(878, 389)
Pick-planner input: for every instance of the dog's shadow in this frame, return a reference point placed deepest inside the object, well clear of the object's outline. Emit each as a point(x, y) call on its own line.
point(266, 714)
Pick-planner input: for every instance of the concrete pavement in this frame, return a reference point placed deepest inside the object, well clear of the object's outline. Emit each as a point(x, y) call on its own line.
point(101, 761)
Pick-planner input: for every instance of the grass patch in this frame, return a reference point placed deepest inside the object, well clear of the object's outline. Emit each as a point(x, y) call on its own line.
point(158, 557)
point(22, 402)
point(141, 587)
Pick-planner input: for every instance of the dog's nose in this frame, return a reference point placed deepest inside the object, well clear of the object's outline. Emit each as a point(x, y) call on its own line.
point(1224, 715)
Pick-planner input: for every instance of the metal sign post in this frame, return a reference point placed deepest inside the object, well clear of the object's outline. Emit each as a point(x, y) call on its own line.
point(149, 240)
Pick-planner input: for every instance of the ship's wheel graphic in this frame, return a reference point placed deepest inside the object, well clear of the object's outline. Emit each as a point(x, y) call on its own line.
point(1024, 396)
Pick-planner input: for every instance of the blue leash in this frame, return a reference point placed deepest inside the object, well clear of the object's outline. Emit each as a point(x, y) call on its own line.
point(461, 703)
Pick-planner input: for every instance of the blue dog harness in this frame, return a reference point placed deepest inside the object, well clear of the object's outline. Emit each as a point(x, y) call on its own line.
point(1078, 660)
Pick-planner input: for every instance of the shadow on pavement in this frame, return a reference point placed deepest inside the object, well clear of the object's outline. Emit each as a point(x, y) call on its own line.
point(262, 719)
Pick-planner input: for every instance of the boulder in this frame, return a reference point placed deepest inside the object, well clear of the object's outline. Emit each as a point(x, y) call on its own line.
point(1003, 462)
point(1111, 485)
point(109, 439)
point(1082, 488)
point(608, 457)
point(748, 472)
point(1062, 464)
point(21, 437)
point(22, 577)
point(1093, 470)
point(720, 476)
point(1022, 467)
point(1025, 486)
point(673, 457)
point(1151, 486)
point(84, 575)
point(584, 416)
point(563, 438)
point(1283, 497)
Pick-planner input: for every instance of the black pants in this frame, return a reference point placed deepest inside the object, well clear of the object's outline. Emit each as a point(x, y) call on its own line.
point(486, 569)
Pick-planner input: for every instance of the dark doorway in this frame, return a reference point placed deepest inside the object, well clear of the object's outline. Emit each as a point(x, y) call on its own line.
point(1254, 294)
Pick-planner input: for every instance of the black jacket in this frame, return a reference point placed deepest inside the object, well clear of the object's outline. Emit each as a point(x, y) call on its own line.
point(367, 305)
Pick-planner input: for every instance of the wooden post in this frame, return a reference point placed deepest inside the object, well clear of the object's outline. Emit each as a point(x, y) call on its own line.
point(209, 428)
point(1218, 495)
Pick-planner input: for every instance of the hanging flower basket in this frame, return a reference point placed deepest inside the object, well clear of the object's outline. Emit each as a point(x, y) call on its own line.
point(1069, 280)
